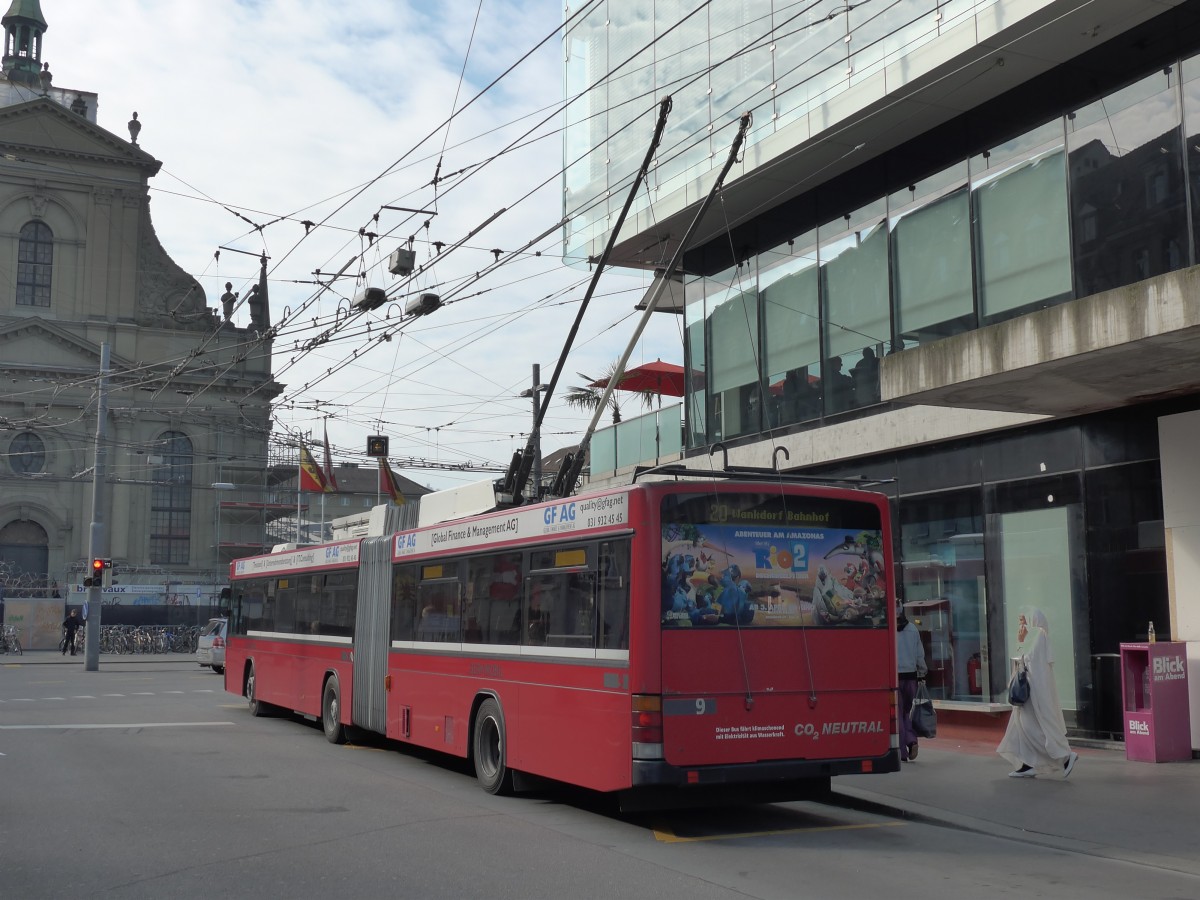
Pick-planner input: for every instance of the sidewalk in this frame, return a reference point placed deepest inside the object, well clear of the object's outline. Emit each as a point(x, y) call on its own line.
point(1143, 813)
point(54, 658)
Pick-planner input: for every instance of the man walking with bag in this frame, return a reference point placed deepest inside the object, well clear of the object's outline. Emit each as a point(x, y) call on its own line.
point(910, 665)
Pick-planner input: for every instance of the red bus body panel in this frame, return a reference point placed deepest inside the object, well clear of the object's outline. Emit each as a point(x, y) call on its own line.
point(567, 720)
point(780, 694)
point(291, 673)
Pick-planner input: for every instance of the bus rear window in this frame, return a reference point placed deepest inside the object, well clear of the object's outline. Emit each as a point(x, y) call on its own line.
point(780, 559)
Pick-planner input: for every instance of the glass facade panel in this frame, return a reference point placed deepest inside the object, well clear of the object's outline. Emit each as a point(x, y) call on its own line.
point(1023, 252)
point(630, 89)
point(742, 75)
point(1128, 206)
point(945, 590)
point(585, 178)
point(1191, 129)
point(681, 64)
point(931, 260)
point(636, 440)
point(810, 65)
point(733, 341)
point(695, 358)
point(602, 453)
point(788, 291)
point(854, 281)
point(1036, 563)
point(670, 430)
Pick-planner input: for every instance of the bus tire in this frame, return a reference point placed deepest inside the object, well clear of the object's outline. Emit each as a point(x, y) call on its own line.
point(488, 748)
point(331, 705)
point(257, 707)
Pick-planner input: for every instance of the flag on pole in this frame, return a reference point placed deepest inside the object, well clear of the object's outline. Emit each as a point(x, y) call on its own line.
point(388, 483)
point(330, 480)
point(311, 477)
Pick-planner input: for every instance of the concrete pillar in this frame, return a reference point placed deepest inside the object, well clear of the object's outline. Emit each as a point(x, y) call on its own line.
point(1179, 438)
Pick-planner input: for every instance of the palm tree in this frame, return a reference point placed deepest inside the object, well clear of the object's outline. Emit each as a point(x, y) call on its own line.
point(587, 396)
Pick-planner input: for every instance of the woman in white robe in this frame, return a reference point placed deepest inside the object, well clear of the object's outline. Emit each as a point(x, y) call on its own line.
point(1036, 739)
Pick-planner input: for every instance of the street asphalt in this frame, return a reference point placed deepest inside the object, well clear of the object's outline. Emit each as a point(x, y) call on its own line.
point(1111, 807)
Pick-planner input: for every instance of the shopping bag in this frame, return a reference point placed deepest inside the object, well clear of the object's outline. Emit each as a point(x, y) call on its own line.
point(924, 716)
point(1018, 688)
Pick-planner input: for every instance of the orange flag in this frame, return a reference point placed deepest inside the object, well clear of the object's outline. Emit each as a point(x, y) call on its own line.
point(311, 477)
point(330, 480)
point(388, 483)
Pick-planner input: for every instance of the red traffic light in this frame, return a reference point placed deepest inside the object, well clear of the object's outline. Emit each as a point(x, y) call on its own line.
point(97, 565)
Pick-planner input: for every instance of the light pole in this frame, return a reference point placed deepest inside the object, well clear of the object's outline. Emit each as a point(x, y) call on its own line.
point(534, 392)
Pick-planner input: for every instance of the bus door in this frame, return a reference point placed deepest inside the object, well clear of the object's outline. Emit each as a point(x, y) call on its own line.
point(371, 633)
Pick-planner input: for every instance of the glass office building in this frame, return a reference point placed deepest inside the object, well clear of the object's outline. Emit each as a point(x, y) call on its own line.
point(993, 201)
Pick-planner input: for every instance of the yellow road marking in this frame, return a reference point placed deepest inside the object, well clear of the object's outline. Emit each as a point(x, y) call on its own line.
point(666, 836)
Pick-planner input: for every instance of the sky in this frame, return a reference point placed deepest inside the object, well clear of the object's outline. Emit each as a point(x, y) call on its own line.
point(272, 112)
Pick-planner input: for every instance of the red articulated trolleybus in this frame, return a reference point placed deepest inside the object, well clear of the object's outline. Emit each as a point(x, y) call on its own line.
point(661, 640)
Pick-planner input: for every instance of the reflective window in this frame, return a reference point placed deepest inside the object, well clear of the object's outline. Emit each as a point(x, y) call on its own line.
point(930, 226)
point(788, 287)
point(1191, 128)
point(171, 501)
point(696, 409)
point(854, 280)
point(941, 541)
point(1023, 253)
point(35, 260)
point(493, 603)
point(1128, 206)
point(439, 604)
point(733, 382)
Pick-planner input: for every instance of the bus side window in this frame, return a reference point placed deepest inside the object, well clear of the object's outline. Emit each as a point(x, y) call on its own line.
point(614, 596)
point(404, 602)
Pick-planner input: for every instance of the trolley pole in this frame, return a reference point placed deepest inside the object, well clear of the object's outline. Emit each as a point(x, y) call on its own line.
point(98, 537)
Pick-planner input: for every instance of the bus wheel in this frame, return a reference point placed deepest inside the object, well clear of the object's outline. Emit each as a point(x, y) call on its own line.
point(489, 750)
point(331, 713)
point(257, 707)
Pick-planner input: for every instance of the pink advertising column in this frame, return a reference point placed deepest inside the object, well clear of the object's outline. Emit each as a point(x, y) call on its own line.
point(1154, 686)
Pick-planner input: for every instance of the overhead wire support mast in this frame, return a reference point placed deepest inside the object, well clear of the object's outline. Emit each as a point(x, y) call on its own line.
point(571, 472)
point(526, 464)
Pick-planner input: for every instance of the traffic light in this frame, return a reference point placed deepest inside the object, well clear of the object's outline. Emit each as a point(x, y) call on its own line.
point(377, 445)
point(102, 572)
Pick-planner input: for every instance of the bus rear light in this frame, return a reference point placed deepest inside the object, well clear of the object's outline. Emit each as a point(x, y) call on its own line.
point(643, 735)
point(387, 682)
point(647, 719)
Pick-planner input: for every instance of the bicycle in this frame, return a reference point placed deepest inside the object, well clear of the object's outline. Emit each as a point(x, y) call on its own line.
point(10, 641)
point(80, 642)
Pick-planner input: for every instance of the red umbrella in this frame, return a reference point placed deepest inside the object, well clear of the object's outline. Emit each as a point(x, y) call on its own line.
point(652, 378)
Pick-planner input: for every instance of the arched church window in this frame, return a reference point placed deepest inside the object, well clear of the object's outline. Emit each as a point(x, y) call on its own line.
point(35, 260)
point(27, 453)
point(171, 501)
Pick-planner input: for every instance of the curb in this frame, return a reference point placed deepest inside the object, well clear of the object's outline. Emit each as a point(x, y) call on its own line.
point(879, 804)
